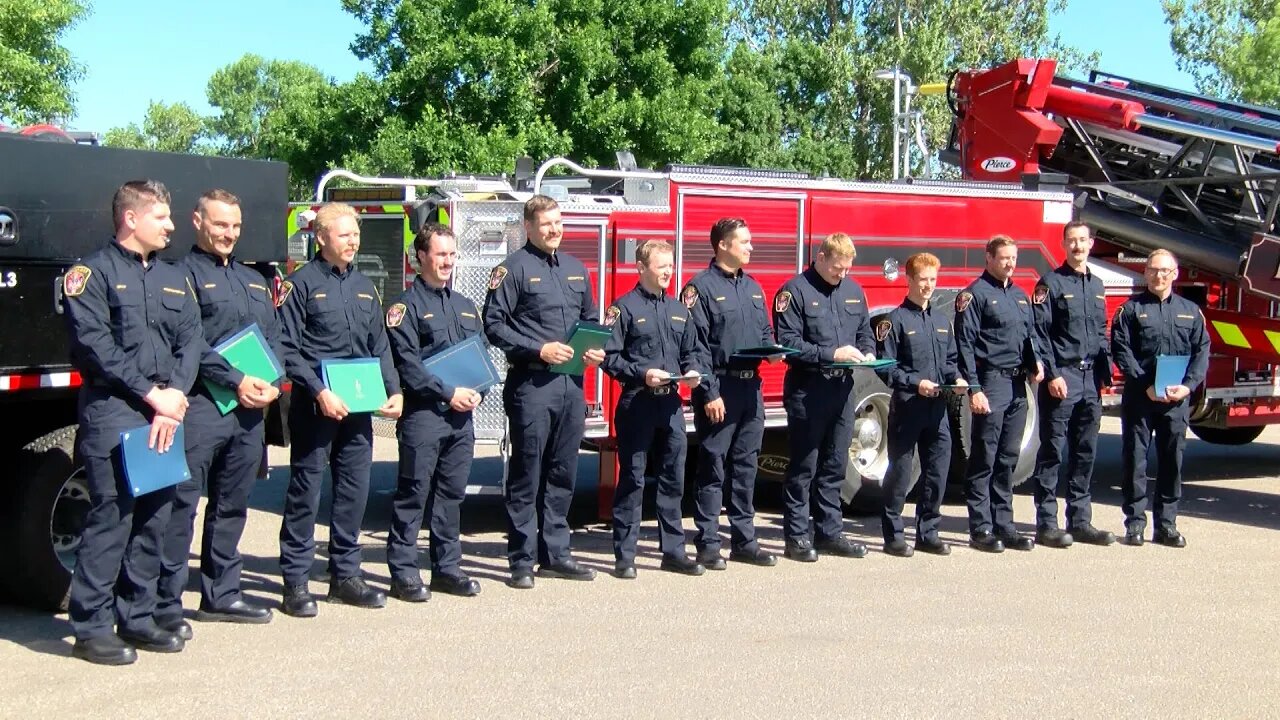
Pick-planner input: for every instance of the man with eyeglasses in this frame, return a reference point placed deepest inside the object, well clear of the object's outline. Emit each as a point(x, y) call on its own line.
point(1156, 322)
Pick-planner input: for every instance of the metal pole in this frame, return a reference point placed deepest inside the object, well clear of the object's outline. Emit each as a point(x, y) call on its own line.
point(897, 137)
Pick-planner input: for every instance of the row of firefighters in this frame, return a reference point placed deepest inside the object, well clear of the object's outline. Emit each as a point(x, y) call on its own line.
point(143, 330)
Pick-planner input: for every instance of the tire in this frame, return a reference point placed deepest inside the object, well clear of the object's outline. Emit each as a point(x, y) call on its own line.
point(53, 503)
point(869, 451)
point(1228, 436)
point(961, 430)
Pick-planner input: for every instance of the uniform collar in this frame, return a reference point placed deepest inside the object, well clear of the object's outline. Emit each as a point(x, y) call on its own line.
point(910, 304)
point(1148, 296)
point(427, 287)
point(723, 273)
point(818, 281)
point(648, 295)
point(551, 259)
point(1066, 269)
point(215, 259)
point(331, 269)
point(129, 254)
point(986, 275)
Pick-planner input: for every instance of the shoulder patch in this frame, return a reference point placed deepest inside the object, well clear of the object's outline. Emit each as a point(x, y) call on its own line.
point(285, 290)
point(76, 278)
point(689, 296)
point(395, 314)
point(1040, 295)
point(611, 314)
point(882, 329)
point(496, 277)
point(963, 300)
point(782, 301)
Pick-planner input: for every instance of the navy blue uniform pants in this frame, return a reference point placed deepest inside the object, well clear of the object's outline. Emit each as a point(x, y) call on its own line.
point(224, 453)
point(436, 447)
point(1140, 417)
point(820, 426)
point(994, 446)
point(347, 448)
point(647, 422)
point(547, 415)
point(916, 423)
point(727, 453)
point(1068, 431)
point(118, 561)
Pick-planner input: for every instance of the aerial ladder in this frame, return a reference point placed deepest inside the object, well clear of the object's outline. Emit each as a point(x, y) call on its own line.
point(1152, 167)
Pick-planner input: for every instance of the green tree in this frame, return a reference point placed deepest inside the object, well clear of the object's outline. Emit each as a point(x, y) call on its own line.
point(170, 128)
point(36, 72)
point(248, 96)
point(1230, 47)
point(472, 85)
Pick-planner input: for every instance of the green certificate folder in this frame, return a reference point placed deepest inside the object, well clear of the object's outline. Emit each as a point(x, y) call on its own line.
point(881, 364)
point(584, 336)
point(358, 382)
point(762, 352)
point(248, 352)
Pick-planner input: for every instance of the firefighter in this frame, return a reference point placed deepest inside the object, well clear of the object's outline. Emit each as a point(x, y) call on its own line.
point(535, 297)
point(822, 314)
point(727, 308)
point(653, 344)
point(1070, 310)
point(1153, 323)
point(135, 339)
point(436, 434)
point(223, 451)
point(997, 351)
point(920, 338)
point(330, 310)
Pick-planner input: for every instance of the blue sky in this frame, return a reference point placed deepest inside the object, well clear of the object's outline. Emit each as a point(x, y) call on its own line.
point(185, 43)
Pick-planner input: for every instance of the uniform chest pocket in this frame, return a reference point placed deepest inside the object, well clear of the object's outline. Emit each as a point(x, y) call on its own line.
point(469, 321)
point(432, 329)
point(1185, 326)
point(211, 297)
point(173, 300)
point(724, 307)
point(323, 307)
point(919, 346)
point(818, 324)
point(644, 331)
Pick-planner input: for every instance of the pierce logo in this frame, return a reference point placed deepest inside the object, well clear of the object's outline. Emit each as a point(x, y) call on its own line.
point(772, 464)
point(998, 164)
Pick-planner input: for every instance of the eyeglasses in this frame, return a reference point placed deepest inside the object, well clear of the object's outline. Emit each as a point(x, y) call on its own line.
point(1161, 271)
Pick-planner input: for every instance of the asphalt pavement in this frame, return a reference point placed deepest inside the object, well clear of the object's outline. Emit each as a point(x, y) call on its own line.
point(1078, 633)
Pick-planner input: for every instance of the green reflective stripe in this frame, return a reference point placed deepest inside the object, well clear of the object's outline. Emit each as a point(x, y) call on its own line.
point(1274, 337)
point(1231, 335)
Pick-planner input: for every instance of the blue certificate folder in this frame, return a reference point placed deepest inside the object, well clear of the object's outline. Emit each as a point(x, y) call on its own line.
point(1170, 370)
point(248, 352)
point(358, 382)
point(465, 365)
point(146, 470)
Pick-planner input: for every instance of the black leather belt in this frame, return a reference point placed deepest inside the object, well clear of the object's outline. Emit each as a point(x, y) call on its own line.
point(661, 390)
point(739, 374)
point(1008, 372)
point(534, 366)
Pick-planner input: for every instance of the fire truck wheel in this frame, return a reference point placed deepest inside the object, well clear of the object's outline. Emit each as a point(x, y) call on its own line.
point(962, 421)
point(54, 500)
point(1228, 436)
point(869, 451)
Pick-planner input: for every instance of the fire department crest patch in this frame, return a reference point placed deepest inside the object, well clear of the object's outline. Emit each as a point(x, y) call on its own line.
point(1040, 295)
point(782, 301)
point(285, 289)
point(74, 281)
point(395, 314)
point(689, 296)
point(611, 315)
point(496, 277)
point(882, 329)
point(963, 301)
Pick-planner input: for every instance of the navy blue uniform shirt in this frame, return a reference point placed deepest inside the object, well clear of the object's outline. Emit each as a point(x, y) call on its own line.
point(232, 297)
point(815, 317)
point(422, 322)
point(649, 332)
point(1146, 326)
point(994, 328)
point(535, 298)
point(330, 314)
point(922, 342)
point(728, 312)
point(1070, 311)
point(132, 327)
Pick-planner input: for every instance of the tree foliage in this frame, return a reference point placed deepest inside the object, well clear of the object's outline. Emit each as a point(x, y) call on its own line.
point(36, 72)
point(168, 128)
point(1230, 47)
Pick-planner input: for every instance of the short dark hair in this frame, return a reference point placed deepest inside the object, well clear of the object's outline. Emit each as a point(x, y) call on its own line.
point(1073, 225)
point(215, 195)
point(136, 195)
point(998, 242)
point(422, 241)
point(723, 228)
point(539, 204)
